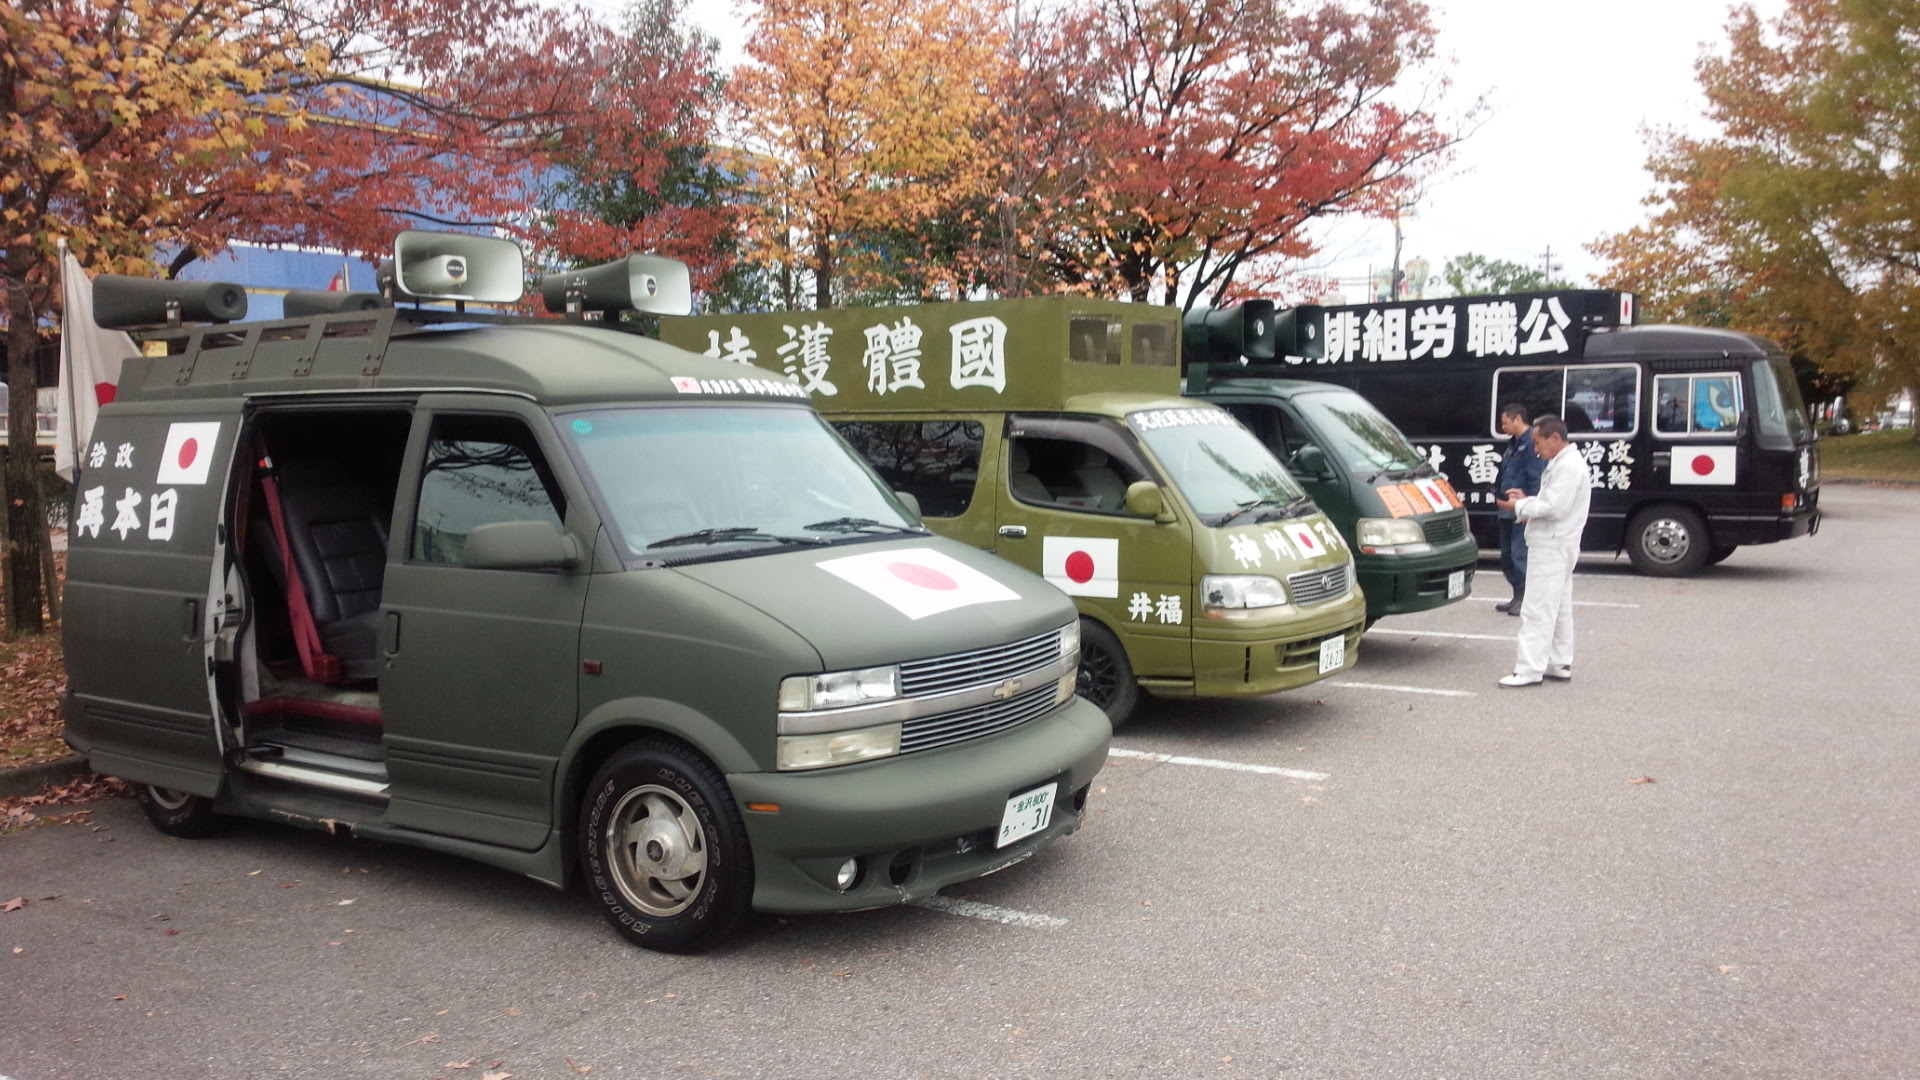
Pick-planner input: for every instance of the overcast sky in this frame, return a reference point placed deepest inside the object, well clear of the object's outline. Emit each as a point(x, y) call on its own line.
point(1558, 160)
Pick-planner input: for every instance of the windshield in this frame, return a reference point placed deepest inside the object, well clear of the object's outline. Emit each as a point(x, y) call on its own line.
point(1217, 464)
point(1782, 411)
point(1357, 434)
point(690, 483)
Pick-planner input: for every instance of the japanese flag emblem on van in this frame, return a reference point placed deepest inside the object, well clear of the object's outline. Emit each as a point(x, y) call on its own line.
point(1703, 464)
point(1082, 565)
point(189, 453)
point(1435, 496)
point(918, 582)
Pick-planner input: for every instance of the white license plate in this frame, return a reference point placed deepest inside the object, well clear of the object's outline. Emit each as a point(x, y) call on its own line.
point(1027, 813)
point(1333, 653)
point(1456, 584)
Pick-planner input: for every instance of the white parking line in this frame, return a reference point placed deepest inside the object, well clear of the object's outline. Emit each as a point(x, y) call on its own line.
point(1443, 633)
point(973, 909)
point(1576, 603)
point(1404, 689)
point(1210, 763)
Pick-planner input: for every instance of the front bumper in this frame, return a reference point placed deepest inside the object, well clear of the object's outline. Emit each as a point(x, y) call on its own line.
point(1400, 584)
point(1236, 661)
point(918, 822)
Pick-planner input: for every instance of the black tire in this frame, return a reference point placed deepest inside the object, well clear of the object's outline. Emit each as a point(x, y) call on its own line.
point(177, 813)
point(1668, 541)
point(1106, 676)
point(664, 850)
point(1718, 555)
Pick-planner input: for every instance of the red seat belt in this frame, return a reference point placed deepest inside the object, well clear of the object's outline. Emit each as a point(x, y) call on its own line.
point(320, 666)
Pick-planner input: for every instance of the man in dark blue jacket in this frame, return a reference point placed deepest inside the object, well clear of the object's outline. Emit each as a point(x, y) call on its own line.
point(1520, 467)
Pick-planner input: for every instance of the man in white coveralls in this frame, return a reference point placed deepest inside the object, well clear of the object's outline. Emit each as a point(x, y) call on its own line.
point(1555, 518)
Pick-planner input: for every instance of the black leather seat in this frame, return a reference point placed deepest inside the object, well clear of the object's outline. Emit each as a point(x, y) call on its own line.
point(338, 533)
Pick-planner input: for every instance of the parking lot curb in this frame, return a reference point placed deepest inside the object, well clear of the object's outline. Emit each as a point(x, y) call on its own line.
point(33, 779)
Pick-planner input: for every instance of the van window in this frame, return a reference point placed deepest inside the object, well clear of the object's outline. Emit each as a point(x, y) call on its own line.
point(1216, 463)
point(479, 470)
point(1093, 339)
point(1782, 410)
point(1697, 404)
point(710, 482)
point(1153, 345)
point(1602, 399)
point(1068, 473)
point(935, 461)
point(1357, 434)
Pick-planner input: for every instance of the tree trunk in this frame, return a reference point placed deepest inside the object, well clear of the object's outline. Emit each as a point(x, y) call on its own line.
point(823, 271)
point(26, 520)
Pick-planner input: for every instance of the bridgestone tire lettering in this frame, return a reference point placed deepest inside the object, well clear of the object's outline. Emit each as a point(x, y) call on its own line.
point(681, 804)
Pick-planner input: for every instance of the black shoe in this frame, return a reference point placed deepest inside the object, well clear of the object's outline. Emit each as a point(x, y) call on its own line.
point(1511, 607)
point(1514, 609)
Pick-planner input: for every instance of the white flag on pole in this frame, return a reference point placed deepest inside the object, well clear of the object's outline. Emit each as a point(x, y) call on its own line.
point(89, 363)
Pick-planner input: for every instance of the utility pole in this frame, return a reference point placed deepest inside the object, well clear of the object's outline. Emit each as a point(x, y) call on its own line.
point(1393, 281)
point(1547, 266)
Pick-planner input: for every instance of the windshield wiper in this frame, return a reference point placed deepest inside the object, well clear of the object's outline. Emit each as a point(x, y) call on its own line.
point(1396, 472)
point(735, 532)
point(856, 524)
point(1248, 507)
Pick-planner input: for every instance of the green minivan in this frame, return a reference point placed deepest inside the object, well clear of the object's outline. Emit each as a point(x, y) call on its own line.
point(551, 595)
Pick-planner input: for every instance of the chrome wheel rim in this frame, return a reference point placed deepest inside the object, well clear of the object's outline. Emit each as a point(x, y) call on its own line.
point(167, 798)
point(658, 850)
point(1666, 540)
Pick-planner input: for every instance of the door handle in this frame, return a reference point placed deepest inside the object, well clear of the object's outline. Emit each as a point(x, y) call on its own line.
point(392, 643)
point(1014, 532)
point(192, 629)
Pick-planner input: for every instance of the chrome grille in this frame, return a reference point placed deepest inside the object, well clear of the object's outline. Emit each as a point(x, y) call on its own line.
point(957, 671)
point(1318, 586)
point(929, 732)
point(1445, 530)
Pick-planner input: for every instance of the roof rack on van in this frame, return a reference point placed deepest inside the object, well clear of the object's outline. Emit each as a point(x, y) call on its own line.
point(192, 319)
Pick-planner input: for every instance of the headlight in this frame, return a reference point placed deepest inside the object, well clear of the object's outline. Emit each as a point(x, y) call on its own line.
point(837, 747)
point(1070, 642)
point(839, 689)
point(1390, 536)
point(1229, 591)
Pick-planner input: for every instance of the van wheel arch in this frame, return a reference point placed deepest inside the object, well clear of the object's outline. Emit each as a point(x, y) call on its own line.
point(1106, 674)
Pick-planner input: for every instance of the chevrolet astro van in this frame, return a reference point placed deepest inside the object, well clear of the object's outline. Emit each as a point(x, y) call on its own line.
point(553, 596)
point(1051, 432)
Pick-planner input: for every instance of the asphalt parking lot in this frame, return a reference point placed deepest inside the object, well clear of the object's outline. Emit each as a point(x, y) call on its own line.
point(1695, 860)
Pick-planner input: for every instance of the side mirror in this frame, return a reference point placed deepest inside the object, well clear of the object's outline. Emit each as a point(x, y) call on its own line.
point(1145, 499)
point(1311, 461)
point(912, 503)
point(520, 545)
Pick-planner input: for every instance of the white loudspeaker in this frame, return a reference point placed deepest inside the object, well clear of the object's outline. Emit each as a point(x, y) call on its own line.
point(457, 266)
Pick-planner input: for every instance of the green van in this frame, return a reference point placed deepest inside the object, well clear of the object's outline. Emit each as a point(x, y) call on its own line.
point(553, 596)
point(1051, 431)
point(1412, 549)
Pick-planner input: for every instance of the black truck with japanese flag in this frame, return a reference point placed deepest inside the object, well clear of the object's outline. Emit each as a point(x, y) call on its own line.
point(1697, 438)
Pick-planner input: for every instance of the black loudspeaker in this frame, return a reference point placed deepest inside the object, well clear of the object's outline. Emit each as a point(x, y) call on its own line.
point(1224, 335)
point(1296, 332)
point(302, 303)
point(455, 266)
point(130, 303)
point(650, 284)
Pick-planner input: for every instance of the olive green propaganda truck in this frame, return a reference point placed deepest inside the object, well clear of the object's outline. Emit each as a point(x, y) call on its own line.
point(551, 595)
point(1051, 431)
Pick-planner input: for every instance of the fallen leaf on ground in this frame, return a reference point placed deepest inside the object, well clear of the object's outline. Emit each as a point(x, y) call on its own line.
point(496, 1076)
point(1641, 780)
point(14, 904)
point(169, 933)
point(578, 1069)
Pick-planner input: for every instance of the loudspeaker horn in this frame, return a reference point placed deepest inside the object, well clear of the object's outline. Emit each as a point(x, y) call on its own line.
point(649, 284)
point(455, 266)
point(303, 303)
point(121, 302)
point(1224, 335)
